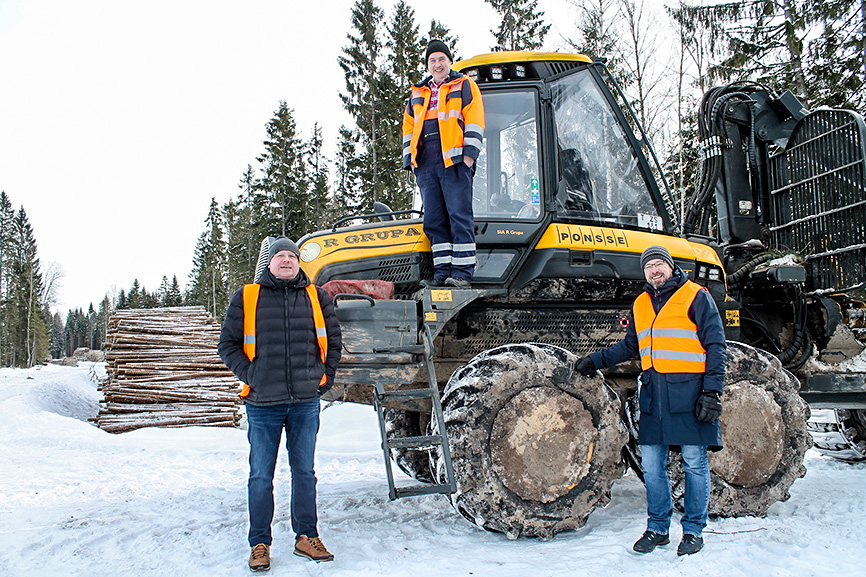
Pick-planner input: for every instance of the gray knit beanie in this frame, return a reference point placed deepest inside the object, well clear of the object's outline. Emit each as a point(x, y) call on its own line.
point(437, 46)
point(280, 243)
point(656, 252)
point(271, 245)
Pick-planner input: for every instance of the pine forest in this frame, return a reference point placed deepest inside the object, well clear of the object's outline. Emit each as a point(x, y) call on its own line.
point(815, 48)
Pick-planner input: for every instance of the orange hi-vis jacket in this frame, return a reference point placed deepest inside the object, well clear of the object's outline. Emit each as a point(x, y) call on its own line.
point(251, 300)
point(669, 341)
point(460, 115)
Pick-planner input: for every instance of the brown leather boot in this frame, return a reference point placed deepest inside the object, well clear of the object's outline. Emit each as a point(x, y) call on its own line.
point(260, 557)
point(312, 549)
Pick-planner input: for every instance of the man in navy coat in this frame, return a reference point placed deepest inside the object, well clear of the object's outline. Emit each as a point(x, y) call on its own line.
point(679, 336)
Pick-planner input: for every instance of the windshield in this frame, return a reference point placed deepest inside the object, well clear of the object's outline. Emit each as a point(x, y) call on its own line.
point(506, 184)
point(600, 177)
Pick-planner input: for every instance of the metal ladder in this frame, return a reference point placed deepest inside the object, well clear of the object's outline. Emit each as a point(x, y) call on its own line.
point(431, 392)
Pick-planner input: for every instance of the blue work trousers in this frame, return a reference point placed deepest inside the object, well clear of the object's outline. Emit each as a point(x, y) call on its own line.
point(654, 460)
point(448, 219)
point(266, 425)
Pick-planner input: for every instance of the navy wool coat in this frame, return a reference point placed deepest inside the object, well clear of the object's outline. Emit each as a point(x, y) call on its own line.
point(667, 400)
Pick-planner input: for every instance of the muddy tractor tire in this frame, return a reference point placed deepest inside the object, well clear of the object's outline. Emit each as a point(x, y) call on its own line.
point(534, 450)
point(414, 462)
point(764, 435)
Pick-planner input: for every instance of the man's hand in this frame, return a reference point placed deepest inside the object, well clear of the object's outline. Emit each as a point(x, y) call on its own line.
point(468, 161)
point(585, 366)
point(709, 407)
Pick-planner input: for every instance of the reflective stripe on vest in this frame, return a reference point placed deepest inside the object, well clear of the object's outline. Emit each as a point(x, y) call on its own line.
point(669, 342)
point(251, 301)
point(461, 120)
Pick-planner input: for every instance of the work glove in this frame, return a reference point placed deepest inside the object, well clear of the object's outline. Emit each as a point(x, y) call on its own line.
point(562, 375)
point(709, 407)
point(584, 366)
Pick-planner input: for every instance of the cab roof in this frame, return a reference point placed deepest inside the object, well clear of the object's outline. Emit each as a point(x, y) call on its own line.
point(519, 65)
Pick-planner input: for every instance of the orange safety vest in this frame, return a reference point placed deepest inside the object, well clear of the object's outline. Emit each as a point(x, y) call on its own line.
point(461, 120)
point(669, 342)
point(251, 301)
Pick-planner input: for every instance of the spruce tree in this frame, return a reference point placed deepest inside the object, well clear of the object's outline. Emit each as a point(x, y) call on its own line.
point(760, 40)
point(207, 277)
point(362, 64)
point(404, 68)
point(837, 54)
point(92, 332)
point(317, 214)
point(244, 231)
point(521, 26)
point(348, 194)
point(174, 297)
point(284, 179)
point(122, 302)
point(29, 327)
point(104, 313)
point(57, 340)
point(7, 217)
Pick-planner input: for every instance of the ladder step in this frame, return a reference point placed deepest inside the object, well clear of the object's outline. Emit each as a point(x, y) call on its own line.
point(415, 442)
point(405, 394)
point(413, 490)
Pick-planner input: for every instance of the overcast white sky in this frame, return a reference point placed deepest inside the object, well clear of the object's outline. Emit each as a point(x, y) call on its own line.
point(120, 120)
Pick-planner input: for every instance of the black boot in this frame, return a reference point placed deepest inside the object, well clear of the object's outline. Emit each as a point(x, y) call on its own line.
point(690, 544)
point(650, 541)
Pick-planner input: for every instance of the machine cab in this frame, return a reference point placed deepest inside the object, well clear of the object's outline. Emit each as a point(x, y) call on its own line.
point(556, 148)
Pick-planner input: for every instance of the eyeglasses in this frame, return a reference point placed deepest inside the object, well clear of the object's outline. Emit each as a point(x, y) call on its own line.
point(655, 264)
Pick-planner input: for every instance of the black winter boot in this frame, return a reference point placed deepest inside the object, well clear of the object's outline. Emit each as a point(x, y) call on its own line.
point(650, 541)
point(690, 544)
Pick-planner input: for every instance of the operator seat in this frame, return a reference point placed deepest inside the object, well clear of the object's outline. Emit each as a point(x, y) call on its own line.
point(577, 182)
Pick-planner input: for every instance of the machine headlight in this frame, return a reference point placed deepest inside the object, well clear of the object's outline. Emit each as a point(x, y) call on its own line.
point(310, 251)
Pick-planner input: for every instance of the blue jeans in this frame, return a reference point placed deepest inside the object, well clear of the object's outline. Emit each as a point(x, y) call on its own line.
point(265, 428)
point(654, 460)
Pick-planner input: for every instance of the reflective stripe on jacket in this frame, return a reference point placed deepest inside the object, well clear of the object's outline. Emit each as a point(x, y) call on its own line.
point(251, 301)
point(461, 120)
point(668, 342)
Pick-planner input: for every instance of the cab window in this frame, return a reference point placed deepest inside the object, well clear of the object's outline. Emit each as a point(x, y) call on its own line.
point(506, 184)
point(600, 179)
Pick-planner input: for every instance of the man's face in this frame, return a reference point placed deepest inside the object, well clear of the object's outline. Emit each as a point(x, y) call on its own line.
point(657, 273)
point(284, 265)
point(439, 66)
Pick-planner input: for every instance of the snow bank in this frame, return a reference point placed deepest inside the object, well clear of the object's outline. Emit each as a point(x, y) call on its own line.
point(75, 500)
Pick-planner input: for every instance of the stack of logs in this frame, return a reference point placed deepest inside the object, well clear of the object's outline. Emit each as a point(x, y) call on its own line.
point(164, 371)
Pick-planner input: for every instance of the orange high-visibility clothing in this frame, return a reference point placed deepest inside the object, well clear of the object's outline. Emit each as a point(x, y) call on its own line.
point(251, 300)
point(668, 342)
point(461, 120)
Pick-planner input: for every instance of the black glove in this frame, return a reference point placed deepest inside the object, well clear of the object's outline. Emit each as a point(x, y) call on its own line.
point(709, 407)
point(584, 366)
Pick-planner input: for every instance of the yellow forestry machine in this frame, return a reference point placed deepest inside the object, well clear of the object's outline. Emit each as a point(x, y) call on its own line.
point(567, 195)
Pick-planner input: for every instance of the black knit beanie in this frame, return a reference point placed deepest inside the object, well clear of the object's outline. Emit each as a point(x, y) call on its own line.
point(437, 46)
point(656, 252)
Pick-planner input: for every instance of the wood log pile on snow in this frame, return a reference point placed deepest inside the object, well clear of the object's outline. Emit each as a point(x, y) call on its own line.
point(164, 371)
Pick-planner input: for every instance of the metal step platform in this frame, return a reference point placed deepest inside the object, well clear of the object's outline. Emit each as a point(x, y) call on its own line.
point(430, 392)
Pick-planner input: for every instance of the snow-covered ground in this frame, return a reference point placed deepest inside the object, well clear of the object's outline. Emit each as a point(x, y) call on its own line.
point(75, 500)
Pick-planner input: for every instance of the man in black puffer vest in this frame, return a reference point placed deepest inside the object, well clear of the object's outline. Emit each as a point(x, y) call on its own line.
point(281, 338)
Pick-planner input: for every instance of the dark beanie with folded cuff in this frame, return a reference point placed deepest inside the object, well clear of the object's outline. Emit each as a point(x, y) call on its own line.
point(438, 46)
point(656, 252)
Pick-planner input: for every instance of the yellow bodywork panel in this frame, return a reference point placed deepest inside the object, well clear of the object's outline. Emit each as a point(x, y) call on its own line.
point(324, 249)
point(584, 237)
